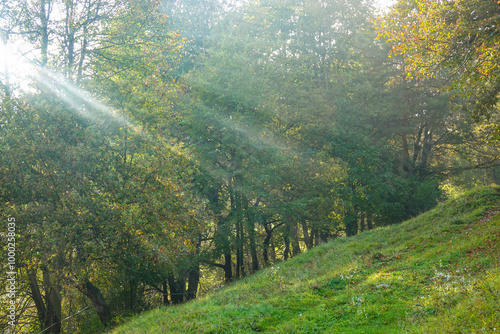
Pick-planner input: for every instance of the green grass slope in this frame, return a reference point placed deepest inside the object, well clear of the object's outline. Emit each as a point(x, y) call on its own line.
point(437, 273)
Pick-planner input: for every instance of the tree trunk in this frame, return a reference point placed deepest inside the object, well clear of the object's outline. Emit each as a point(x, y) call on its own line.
point(193, 281)
point(228, 268)
point(239, 207)
point(177, 289)
point(6, 85)
point(496, 174)
point(165, 292)
point(194, 274)
point(307, 239)
point(69, 41)
point(36, 295)
point(240, 270)
point(216, 206)
point(251, 237)
point(50, 321)
point(266, 243)
point(273, 250)
point(295, 239)
point(228, 271)
point(253, 246)
point(426, 152)
point(351, 223)
point(94, 294)
point(315, 237)
point(85, 42)
point(44, 15)
point(286, 250)
point(406, 155)
point(132, 294)
point(324, 237)
point(362, 222)
point(369, 223)
point(406, 152)
point(52, 303)
point(417, 147)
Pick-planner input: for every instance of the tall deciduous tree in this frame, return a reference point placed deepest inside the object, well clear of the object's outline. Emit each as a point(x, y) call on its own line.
point(96, 186)
point(461, 37)
point(261, 111)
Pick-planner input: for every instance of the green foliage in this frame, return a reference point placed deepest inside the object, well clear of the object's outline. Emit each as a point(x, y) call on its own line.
point(254, 132)
point(456, 36)
point(100, 195)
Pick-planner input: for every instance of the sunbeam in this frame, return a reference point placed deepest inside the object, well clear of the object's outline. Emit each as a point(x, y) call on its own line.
point(83, 102)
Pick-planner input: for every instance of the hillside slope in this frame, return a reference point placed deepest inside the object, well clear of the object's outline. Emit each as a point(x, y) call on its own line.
point(437, 273)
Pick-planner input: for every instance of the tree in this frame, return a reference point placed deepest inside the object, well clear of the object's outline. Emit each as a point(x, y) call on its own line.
point(97, 193)
point(256, 100)
point(460, 37)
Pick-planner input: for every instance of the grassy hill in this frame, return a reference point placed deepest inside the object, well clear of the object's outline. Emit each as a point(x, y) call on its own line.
point(437, 273)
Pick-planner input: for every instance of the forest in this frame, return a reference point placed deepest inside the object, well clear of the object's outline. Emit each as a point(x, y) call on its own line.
point(151, 151)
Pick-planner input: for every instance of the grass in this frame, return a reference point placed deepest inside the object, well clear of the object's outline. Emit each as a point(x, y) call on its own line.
point(437, 273)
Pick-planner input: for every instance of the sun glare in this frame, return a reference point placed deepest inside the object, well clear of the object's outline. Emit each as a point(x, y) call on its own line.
point(20, 72)
point(15, 65)
point(384, 5)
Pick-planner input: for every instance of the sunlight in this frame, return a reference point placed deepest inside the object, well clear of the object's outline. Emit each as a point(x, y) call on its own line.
point(81, 101)
point(384, 5)
point(20, 72)
point(14, 64)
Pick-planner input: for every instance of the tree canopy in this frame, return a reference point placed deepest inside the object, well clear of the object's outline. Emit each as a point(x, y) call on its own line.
point(161, 150)
point(459, 39)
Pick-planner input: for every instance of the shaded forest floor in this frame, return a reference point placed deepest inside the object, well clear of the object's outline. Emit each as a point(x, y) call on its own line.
point(436, 273)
